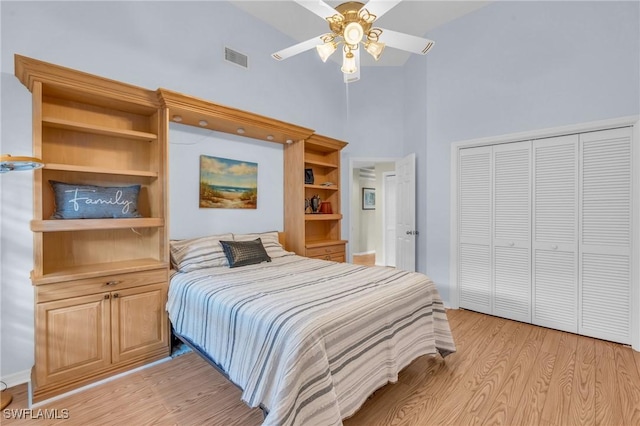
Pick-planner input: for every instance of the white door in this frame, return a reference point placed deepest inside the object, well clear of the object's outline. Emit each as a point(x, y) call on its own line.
point(406, 232)
point(474, 229)
point(512, 231)
point(390, 203)
point(555, 233)
point(605, 235)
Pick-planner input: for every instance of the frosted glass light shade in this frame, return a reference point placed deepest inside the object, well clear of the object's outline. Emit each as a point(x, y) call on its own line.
point(374, 48)
point(348, 63)
point(325, 50)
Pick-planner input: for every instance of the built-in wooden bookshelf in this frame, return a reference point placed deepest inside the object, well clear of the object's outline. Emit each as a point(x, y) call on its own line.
point(96, 280)
point(314, 234)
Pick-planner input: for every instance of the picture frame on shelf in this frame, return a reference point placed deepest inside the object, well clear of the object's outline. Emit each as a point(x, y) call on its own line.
point(368, 198)
point(308, 177)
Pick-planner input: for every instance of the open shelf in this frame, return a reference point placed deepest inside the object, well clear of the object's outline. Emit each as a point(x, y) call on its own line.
point(331, 188)
point(321, 216)
point(97, 130)
point(320, 163)
point(98, 270)
point(106, 171)
point(60, 225)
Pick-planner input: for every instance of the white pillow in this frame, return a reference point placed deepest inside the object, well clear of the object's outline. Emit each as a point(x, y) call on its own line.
point(269, 241)
point(197, 253)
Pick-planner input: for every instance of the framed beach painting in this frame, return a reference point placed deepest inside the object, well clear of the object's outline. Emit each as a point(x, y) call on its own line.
point(228, 184)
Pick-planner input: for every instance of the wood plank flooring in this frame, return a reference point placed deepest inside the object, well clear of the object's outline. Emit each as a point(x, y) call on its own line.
point(504, 373)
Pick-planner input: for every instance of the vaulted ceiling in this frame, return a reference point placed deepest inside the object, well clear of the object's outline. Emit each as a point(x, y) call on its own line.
point(409, 16)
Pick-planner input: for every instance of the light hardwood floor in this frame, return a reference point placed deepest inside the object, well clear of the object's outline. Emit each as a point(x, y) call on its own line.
point(504, 373)
point(364, 259)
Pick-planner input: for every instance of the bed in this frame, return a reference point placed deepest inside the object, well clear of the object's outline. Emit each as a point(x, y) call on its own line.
point(306, 340)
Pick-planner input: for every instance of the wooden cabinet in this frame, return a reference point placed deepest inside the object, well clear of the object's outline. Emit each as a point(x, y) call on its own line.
point(314, 234)
point(100, 284)
point(333, 252)
point(86, 329)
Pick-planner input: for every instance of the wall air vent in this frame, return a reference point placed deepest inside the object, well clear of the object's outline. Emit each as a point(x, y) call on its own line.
point(236, 57)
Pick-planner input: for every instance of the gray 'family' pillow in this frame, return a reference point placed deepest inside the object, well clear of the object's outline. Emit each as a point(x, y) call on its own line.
point(94, 202)
point(242, 253)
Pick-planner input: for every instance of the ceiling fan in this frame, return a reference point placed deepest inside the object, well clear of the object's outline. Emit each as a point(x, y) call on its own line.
point(351, 25)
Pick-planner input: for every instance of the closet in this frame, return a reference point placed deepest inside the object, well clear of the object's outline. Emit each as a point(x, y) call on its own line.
point(544, 231)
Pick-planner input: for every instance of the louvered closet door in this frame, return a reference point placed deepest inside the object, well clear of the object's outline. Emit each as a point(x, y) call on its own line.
point(555, 233)
point(512, 231)
point(474, 229)
point(605, 250)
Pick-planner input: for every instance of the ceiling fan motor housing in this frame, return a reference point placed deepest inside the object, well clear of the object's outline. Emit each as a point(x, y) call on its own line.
point(350, 12)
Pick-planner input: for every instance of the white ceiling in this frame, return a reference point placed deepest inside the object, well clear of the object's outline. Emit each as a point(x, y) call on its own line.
point(416, 17)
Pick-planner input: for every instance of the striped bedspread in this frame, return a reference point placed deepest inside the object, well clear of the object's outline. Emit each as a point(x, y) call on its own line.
point(309, 339)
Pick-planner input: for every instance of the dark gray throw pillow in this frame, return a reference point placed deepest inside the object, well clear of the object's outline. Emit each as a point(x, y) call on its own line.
point(94, 202)
point(242, 253)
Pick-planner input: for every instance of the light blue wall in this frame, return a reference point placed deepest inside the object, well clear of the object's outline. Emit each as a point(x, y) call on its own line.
point(374, 127)
point(517, 66)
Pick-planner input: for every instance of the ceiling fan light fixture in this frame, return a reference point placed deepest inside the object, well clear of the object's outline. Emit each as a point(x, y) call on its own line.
point(353, 33)
point(349, 63)
point(325, 50)
point(374, 48)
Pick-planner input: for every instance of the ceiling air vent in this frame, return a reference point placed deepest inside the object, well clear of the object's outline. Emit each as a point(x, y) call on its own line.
point(236, 57)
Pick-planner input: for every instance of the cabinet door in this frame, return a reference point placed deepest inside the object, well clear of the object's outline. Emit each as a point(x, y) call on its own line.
point(512, 231)
point(138, 321)
point(555, 233)
point(73, 338)
point(474, 225)
point(605, 250)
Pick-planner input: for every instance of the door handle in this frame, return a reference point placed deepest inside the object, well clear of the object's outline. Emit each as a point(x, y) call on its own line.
point(412, 232)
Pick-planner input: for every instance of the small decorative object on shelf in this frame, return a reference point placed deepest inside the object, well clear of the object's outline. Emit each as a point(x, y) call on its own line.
point(308, 176)
point(315, 204)
point(325, 207)
point(328, 184)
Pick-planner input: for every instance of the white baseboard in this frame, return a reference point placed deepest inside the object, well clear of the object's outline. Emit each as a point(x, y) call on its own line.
point(92, 385)
point(362, 253)
point(16, 379)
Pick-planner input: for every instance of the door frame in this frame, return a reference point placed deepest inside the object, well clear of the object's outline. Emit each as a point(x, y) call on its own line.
point(634, 121)
point(385, 255)
point(356, 163)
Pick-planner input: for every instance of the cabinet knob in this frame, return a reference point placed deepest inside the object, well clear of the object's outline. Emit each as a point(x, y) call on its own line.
point(112, 283)
point(511, 244)
point(106, 296)
point(554, 247)
point(115, 295)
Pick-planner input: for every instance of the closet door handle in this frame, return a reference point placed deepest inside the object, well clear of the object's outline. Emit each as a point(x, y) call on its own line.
point(554, 247)
point(511, 244)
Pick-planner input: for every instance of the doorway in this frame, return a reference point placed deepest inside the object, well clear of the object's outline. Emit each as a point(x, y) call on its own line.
point(370, 239)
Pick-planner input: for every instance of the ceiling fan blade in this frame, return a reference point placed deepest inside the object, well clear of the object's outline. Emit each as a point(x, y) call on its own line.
point(350, 78)
point(297, 48)
point(380, 7)
point(406, 42)
point(318, 7)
